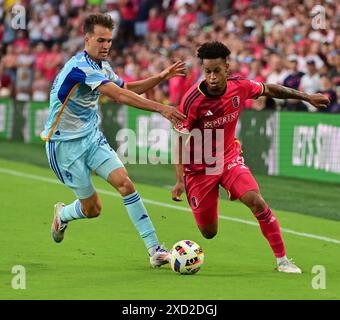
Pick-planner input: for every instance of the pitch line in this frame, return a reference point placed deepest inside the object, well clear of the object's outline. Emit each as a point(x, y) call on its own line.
point(166, 205)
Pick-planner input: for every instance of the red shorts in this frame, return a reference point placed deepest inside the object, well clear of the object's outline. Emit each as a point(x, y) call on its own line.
point(203, 190)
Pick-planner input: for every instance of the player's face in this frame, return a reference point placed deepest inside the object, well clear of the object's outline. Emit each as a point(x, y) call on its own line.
point(215, 71)
point(98, 43)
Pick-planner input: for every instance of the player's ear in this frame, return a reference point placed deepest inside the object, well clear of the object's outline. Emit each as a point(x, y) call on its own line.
point(227, 67)
point(87, 37)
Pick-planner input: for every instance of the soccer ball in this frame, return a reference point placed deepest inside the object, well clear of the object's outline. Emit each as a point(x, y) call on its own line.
point(186, 257)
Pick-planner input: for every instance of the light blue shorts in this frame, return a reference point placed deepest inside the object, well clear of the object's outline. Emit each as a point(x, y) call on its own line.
point(73, 161)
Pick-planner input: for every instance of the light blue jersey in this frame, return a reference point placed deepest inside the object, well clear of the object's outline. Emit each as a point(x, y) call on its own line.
point(74, 98)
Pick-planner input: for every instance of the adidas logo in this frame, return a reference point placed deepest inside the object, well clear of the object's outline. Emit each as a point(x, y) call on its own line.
point(144, 216)
point(272, 219)
point(209, 113)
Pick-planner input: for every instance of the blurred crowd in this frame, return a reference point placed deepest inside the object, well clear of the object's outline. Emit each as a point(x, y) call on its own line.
point(294, 43)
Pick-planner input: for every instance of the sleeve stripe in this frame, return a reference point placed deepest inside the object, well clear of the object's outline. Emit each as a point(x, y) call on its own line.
point(263, 89)
point(188, 97)
point(190, 100)
point(262, 92)
point(105, 81)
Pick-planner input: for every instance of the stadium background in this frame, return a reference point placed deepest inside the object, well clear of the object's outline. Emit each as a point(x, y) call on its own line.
point(293, 150)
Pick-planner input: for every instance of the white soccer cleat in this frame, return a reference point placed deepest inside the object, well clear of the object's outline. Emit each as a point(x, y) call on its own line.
point(160, 257)
point(58, 227)
point(288, 266)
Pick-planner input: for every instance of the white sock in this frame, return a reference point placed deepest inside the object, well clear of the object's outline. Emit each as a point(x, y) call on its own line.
point(282, 259)
point(152, 250)
point(72, 212)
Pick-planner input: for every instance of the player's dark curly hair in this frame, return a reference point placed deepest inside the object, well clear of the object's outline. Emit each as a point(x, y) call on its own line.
point(101, 19)
point(213, 50)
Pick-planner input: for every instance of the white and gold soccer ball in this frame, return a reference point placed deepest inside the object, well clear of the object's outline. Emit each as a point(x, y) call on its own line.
point(186, 257)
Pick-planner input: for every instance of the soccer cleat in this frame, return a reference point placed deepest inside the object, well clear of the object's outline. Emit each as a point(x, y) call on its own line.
point(288, 266)
point(160, 257)
point(58, 227)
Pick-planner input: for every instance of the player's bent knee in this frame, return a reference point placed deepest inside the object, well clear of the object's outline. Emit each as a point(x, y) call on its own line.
point(126, 187)
point(256, 203)
point(259, 204)
point(209, 232)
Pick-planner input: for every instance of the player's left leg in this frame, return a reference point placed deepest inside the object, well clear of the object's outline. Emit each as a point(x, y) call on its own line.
point(241, 185)
point(108, 166)
point(267, 221)
point(269, 226)
point(138, 214)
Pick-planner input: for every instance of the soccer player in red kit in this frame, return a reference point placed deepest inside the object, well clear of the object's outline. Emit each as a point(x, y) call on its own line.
point(212, 108)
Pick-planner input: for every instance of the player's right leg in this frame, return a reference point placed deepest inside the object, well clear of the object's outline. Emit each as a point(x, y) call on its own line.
point(202, 193)
point(67, 160)
point(79, 209)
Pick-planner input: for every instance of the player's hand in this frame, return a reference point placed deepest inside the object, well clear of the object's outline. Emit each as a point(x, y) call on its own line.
point(319, 100)
point(177, 191)
point(177, 69)
point(172, 114)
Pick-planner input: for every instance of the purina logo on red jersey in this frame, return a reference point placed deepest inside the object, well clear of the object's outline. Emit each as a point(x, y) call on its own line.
point(236, 101)
point(221, 121)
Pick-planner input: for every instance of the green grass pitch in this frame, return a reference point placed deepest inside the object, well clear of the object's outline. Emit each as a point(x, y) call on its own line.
point(104, 258)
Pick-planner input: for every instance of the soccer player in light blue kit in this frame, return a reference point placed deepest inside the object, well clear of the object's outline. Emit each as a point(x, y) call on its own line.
point(74, 144)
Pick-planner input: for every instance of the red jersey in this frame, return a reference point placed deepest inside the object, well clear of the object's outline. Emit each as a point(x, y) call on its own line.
point(214, 118)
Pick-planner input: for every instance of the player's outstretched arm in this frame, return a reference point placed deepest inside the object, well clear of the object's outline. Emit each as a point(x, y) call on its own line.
point(132, 99)
point(318, 100)
point(141, 86)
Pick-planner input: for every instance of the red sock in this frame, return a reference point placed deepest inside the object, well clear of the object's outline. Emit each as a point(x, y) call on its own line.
point(271, 230)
